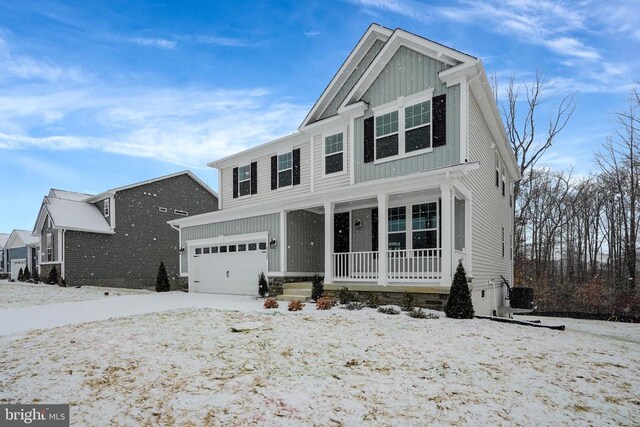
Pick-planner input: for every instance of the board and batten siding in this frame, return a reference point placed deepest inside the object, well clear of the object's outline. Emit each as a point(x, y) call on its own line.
point(265, 193)
point(407, 73)
point(305, 242)
point(490, 212)
point(332, 108)
point(269, 223)
point(338, 179)
point(43, 242)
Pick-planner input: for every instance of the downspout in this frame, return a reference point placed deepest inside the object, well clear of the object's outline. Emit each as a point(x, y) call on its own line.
point(62, 257)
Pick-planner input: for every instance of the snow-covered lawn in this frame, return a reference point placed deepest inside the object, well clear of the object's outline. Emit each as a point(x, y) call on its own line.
point(187, 367)
point(18, 294)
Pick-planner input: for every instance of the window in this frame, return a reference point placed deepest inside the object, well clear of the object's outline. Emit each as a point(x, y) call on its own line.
point(49, 247)
point(214, 249)
point(223, 249)
point(242, 248)
point(262, 246)
point(285, 169)
point(417, 126)
point(425, 225)
point(253, 246)
point(497, 169)
point(387, 135)
point(333, 153)
point(181, 213)
point(198, 251)
point(205, 250)
point(244, 180)
point(511, 192)
point(403, 131)
point(503, 180)
point(397, 228)
point(459, 224)
point(502, 242)
point(106, 208)
point(232, 248)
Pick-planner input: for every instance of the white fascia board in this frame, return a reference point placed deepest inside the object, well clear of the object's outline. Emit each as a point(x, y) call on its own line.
point(259, 150)
point(357, 191)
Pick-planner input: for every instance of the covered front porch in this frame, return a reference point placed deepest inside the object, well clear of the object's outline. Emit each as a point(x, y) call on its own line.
point(396, 238)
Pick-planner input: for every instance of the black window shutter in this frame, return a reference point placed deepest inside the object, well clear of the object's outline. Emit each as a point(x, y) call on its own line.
point(374, 229)
point(254, 177)
point(369, 146)
point(274, 172)
point(235, 183)
point(439, 120)
point(296, 166)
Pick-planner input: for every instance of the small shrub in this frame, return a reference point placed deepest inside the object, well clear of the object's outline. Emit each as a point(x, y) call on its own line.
point(263, 285)
point(324, 303)
point(421, 314)
point(61, 282)
point(296, 305)
point(317, 288)
point(408, 301)
point(162, 280)
point(26, 276)
point(20, 275)
point(354, 305)
point(53, 276)
point(372, 300)
point(345, 296)
point(270, 303)
point(388, 310)
point(459, 304)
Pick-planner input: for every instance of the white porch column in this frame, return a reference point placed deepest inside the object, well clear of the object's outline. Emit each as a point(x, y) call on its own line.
point(328, 242)
point(383, 245)
point(447, 233)
point(283, 241)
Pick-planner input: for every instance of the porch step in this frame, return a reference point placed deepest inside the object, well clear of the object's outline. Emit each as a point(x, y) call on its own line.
point(297, 285)
point(298, 292)
point(292, 297)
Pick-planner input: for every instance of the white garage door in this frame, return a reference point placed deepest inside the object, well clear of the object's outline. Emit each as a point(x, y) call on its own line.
point(16, 265)
point(227, 268)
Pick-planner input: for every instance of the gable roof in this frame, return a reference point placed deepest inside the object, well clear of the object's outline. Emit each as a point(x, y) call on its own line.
point(374, 32)
point(76, 215)
point(3, 239)
point(20, 238)
point(68, 195)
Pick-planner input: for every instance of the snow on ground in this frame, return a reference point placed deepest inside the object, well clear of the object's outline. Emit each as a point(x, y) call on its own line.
point(187, 367)
point(18, 294)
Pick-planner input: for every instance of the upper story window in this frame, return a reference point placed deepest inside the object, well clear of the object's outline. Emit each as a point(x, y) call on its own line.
point(406, 130)
point(333, 154)
point(106, 208)
point(285, 169)
point(244, 180)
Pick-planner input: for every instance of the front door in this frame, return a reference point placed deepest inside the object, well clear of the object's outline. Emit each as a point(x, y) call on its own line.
point(341, 243)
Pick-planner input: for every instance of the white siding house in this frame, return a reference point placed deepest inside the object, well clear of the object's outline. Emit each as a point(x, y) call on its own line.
point(388, 183)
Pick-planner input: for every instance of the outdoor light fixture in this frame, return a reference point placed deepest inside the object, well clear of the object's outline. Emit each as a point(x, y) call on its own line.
point(273, 243)
point(358, 223)
point(181, 250)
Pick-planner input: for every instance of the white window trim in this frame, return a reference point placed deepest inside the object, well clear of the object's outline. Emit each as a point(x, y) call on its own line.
point(278, 169)
point(399, 105)
point(409, 223)
point(106, 207)
point(324, 155)
point(246, 196)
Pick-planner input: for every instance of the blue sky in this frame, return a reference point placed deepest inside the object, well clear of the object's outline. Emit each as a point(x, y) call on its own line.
point(95, 95)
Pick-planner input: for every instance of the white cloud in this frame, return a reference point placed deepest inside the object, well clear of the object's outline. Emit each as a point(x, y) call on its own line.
point(312, 33)
point(153, 42)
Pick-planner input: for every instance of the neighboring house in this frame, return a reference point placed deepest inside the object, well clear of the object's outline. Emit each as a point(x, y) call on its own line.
point(3, 241)
point(21, 251)
point(119, 237)
point(404, 152)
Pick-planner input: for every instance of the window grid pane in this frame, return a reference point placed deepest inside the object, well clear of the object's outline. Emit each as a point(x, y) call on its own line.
point(333, 144)
point(397, 219)
point(425, 216)
point(387, 123)
point(417, 115)
point(244, 173)
point(285, 161)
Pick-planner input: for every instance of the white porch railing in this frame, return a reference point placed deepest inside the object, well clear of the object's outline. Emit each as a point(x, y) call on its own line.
point(414, 264)
point(355, 266)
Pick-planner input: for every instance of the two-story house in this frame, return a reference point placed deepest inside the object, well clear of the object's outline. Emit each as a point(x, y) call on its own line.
point(401, 169)
point(3, 241)
point(118, 237)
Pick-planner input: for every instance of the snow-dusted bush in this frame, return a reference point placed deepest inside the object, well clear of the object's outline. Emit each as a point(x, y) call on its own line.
point(20, 275)
point(388, 310)
point(324, 303)
point(408, 301)
point(162, 280)
point(53, 276)
point(26, 275)
point(354, 305)
point(270, 303)
point(263, 285)
point(296, 305)
point(317, 288)
point(459, 305)
point(345, 296)
point(372, 300)
point(421, 314)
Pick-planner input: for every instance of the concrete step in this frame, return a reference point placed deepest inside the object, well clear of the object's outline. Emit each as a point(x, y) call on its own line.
point(297, 285)
point(292, 298)
point(305, 292)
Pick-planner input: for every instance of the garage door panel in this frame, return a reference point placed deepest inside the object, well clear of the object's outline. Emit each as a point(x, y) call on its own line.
point(229, 268)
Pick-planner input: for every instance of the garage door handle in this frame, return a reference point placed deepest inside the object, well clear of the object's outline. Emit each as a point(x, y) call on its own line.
point(227, 273)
